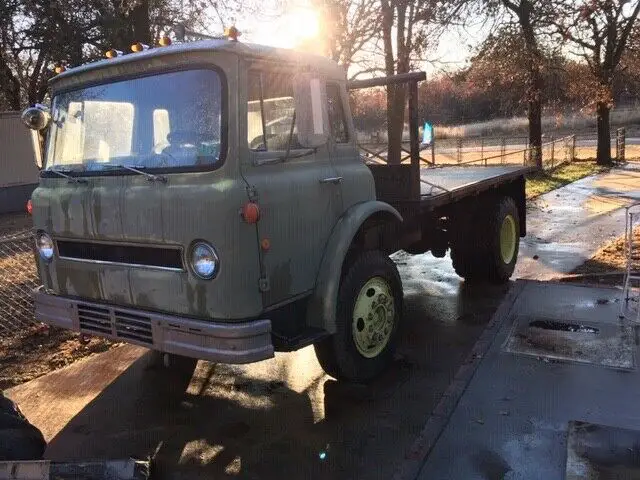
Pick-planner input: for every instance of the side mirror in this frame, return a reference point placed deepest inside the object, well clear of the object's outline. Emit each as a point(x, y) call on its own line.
point(37, 118)
point(312, 117)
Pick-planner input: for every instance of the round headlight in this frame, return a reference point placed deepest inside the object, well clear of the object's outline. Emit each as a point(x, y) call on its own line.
point(44, 244)
point(204, 260)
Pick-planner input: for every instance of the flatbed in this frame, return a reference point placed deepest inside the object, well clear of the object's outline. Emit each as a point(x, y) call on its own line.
point(439, 186)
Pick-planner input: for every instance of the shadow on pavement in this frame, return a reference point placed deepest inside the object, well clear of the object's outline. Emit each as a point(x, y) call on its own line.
point(211, 421)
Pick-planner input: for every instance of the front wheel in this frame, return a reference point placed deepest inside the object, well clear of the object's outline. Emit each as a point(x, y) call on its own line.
point(368, 313)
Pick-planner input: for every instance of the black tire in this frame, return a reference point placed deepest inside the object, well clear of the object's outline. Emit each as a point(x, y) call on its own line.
point(19, 439)
point(476, 250)
point(338, 354)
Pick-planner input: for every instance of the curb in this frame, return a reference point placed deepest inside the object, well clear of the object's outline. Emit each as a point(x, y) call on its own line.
point(417, 454)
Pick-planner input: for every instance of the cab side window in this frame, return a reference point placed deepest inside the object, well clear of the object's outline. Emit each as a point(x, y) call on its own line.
point(271, 112)
point(336, 114)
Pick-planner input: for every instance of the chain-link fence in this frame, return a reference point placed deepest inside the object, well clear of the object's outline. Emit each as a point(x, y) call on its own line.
point(18, 276)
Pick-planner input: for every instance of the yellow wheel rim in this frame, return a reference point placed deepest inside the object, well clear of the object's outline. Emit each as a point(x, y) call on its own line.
point(373, 317)
point(508, 239)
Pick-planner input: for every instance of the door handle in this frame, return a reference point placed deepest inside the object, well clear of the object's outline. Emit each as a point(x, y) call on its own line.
point(334, 180)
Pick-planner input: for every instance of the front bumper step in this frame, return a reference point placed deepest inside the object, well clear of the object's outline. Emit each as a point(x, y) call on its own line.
point(235, 343)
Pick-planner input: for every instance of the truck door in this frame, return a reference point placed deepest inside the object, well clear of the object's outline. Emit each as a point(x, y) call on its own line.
point(298, 190)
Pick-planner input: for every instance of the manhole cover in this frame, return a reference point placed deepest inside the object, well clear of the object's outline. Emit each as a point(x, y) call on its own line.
point(598, 452)
point(609, 345)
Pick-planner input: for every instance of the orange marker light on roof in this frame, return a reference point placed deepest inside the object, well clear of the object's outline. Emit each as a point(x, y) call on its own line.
point(250, 212)
point(29, 207)
point(232, 33)
point(164, 41)
point(59, 69)
point(139, 47)
point(113, 53)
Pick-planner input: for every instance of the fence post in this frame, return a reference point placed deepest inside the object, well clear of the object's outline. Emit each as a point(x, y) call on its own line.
point(553, 150)
point(573, 148)
point(433, 146)
point(524, 153)
point(503, 148)
point(620, 144)
point(482, 151)
point(459, 150)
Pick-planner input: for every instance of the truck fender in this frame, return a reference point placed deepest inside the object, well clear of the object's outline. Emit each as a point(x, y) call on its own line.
point(321, 311)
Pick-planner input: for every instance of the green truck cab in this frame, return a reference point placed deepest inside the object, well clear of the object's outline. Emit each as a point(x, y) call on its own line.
point(208, 200)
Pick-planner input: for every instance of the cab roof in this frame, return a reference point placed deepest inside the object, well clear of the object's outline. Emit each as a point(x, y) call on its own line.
point(248, 50)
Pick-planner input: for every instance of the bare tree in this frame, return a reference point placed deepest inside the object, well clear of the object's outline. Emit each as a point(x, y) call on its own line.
point(415, 25)
point(601, 31)
point(348, 26)
point(530, 14)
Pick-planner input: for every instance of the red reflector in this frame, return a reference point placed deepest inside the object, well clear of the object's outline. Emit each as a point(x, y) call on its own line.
point(250, 212)
point(29, 207)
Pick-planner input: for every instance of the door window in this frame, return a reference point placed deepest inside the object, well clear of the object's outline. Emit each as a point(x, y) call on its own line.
point(336, 114)
point(271, 112)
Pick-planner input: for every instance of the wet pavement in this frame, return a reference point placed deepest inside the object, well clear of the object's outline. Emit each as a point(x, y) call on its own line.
point(284, 417)
point(545, 416)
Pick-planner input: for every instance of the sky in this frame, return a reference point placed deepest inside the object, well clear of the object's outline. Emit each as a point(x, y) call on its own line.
point(300, 23)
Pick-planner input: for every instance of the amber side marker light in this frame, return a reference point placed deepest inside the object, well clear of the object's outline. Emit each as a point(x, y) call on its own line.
point(113, 53)
point(139, 47)
point(59, 69)
point(164, 41)
point(29, 207)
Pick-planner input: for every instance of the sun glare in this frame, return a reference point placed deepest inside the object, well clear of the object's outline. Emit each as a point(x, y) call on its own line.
point(290, 30)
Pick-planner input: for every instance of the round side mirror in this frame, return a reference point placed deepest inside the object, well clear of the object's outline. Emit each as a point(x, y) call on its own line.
point(36, 117)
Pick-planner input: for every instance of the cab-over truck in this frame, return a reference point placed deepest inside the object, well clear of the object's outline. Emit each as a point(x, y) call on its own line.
point(208, 200)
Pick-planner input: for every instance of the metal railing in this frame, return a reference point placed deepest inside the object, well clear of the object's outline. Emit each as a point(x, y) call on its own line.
point(18, 277)
point(498, 150)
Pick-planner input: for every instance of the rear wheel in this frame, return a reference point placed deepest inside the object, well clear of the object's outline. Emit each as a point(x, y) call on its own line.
point(486, 249)
point(368, 313)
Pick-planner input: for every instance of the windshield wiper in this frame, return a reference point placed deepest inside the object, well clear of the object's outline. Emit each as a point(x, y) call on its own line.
point(150, 176)
point(68, 177)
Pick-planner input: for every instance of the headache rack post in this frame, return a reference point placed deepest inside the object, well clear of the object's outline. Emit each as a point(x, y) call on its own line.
point(411, 79)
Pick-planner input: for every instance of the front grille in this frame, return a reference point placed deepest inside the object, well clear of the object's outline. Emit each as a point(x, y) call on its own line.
point(105, 321)
point(94, 319)
point(133, 327)
point(157, 257)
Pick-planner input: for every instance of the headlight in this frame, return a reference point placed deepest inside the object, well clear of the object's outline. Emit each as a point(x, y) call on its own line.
point(44, 244)
point(204, 261)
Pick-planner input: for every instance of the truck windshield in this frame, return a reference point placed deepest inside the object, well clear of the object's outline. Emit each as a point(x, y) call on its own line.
point(169, 120)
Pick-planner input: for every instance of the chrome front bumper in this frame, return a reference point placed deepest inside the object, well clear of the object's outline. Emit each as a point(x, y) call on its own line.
point(244, 342)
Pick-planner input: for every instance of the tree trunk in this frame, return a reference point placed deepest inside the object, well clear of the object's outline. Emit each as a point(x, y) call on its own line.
point(141, 23)
point(396, 99)
point(603, 156)
point(535, 133)
point(534, 112)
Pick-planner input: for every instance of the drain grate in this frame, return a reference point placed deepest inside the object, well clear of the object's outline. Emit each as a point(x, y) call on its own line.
point(562, 326)
point(609, 345)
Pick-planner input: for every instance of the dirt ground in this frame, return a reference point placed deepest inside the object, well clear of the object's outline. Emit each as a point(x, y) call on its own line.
point(13, 223)
point(607, 265)
point(42, 350)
